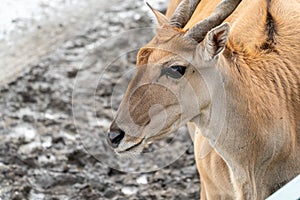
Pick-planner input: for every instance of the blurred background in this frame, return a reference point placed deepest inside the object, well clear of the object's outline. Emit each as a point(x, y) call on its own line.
point(49, 53)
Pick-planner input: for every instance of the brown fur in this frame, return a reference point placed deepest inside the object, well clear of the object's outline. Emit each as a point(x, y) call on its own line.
point(259, 150)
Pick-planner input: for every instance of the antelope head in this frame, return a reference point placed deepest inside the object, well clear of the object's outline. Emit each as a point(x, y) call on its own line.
point(167, 89)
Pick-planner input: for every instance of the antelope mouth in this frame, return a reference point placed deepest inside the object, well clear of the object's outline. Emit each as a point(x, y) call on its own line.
point(132, 148)
point(139, 147)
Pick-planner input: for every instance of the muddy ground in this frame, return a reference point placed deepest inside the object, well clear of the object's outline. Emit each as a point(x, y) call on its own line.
point(54, 117)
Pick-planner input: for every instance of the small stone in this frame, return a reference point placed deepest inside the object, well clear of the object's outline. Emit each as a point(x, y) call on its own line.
point(47, 142)
point(190, 150)
point(27, 149)
point(28, 118)
point(190, 171)
point(72, 73)
point(46, 159)
point(3, 167)
point(158, 176)
point(142, 179)
point(110, 193)
point(27, 133)
point(44, 88)
point(137, 17)
point(129, 190)
point(16, 195)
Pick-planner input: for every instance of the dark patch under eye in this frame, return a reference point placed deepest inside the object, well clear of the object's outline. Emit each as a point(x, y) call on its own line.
point(175, 71)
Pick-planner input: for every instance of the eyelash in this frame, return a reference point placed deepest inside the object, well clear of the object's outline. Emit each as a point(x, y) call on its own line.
point(175, 71)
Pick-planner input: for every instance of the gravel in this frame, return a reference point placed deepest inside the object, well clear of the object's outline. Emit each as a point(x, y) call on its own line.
point(49, 121)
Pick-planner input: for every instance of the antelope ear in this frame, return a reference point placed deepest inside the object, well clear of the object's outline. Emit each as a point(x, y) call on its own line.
point(216, 40)
point(161, 19)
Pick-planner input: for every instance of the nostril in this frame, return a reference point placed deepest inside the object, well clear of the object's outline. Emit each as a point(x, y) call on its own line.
point(115, 137)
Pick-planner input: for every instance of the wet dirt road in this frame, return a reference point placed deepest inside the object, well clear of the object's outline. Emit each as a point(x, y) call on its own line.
point(30, 29)
point(42, 152)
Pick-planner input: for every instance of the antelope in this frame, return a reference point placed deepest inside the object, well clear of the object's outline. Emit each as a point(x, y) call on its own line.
point(249, 49)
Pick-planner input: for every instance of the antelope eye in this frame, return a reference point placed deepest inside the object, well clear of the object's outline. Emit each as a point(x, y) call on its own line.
point(176, 71)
